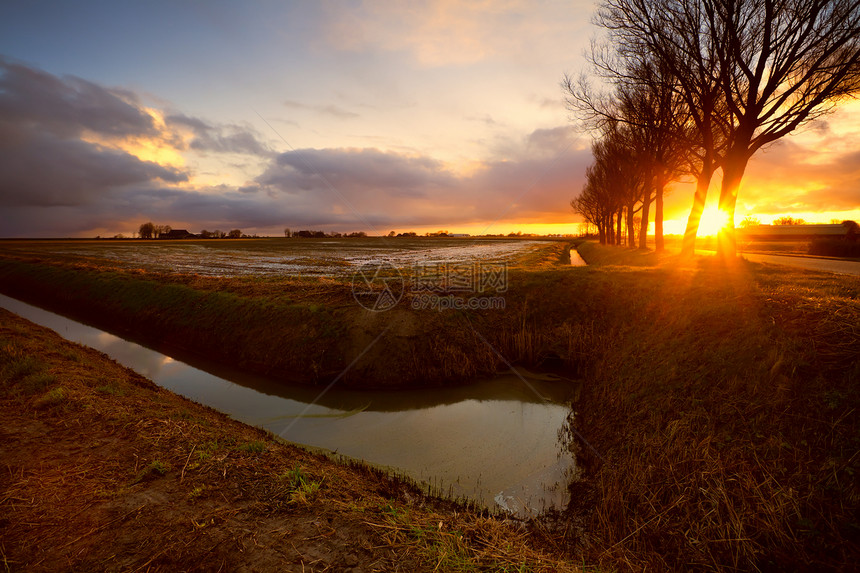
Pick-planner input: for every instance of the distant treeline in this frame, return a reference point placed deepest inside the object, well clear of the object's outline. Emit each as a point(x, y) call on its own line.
point(149, 230)
point(360, 234)
point(323, 234)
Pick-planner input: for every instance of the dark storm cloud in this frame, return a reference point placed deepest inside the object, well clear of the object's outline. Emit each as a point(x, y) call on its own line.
point(395, 189)
point(43, 160)
point(356, 170)
point(42, 170)
point(219, 138)
point(66, 106)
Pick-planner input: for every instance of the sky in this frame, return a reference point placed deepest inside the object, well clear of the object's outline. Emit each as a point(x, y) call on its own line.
point(338, 116)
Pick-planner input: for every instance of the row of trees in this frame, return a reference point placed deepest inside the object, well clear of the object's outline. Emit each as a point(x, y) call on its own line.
point(696, 86)
point(322, 234)
point(149, 230)
point(218, 234)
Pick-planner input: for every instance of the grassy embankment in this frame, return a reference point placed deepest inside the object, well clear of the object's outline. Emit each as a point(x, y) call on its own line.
point(724, 402)
point(721, 399)
point(105, 471)
point(302, 329)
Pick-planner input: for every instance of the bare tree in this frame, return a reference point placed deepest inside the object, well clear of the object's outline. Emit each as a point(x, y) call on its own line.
point(665, 31)
point(613, 186)
point(645, 110)
point(784, 63)
point(147, 230)
point(751, 71)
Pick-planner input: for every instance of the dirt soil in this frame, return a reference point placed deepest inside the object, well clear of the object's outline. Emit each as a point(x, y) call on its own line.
point(102, 470)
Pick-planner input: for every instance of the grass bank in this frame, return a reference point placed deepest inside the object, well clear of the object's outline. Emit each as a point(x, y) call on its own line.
point(105, 471)
point(722, 407)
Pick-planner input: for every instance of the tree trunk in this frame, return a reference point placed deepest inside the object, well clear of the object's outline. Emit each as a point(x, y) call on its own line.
point(658, 217)
point(734, 166)
point(643, 228)
point(703, 182)
point(619, 218)
point(610, 230)
point(631, 230)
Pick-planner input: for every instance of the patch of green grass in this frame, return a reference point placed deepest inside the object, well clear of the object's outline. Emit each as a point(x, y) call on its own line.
point(154, 470)
point(302, 489)
point(53, 397)
point(36, 382)
point(182, 414)
point(197, 491)
point(111, 388)
point(17, 367)
point(255, 447)
point(72, 354)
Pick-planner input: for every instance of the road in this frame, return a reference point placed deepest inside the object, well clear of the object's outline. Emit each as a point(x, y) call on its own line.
point(811, 263)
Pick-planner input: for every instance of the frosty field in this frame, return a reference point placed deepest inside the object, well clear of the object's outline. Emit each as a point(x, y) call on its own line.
point(275, 256)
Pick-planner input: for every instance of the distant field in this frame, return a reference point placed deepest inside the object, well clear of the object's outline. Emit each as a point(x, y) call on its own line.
point(673, 242)
point(278, 256)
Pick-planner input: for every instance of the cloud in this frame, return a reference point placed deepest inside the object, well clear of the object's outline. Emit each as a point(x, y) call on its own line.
point(47, 156)
point(328, 109)
point(68, 167)
point(817, 181)
point(364, 170)
point(391, 189)
point(219, 138)
point(436, 33)
point(40, 170)
point(68, 106)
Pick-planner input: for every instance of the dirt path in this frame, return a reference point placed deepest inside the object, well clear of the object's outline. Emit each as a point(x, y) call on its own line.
point(102, 470)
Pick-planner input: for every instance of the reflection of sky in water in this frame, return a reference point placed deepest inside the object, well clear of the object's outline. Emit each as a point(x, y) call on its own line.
point(489, 440)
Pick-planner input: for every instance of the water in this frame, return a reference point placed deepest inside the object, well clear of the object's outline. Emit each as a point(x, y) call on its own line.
point(576, 260)
point(498, 442)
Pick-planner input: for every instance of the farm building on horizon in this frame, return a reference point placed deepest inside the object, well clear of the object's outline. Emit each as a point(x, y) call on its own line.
point(177, 234)
point(799, 232)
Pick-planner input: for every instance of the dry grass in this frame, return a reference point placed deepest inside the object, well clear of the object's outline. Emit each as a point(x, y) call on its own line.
point(725, 411)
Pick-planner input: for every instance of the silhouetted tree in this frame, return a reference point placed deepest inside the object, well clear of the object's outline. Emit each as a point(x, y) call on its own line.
point(147, 230)
point(647, 112)
point(749, 221)
point(234, 234)
point(769, 65)
point(788, 220)
point(665, 31)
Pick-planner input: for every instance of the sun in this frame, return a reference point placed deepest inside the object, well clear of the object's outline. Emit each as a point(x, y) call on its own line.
point(712, 221)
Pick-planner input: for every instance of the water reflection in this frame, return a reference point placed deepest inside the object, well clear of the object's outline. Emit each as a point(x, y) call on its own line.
point(498, 442)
